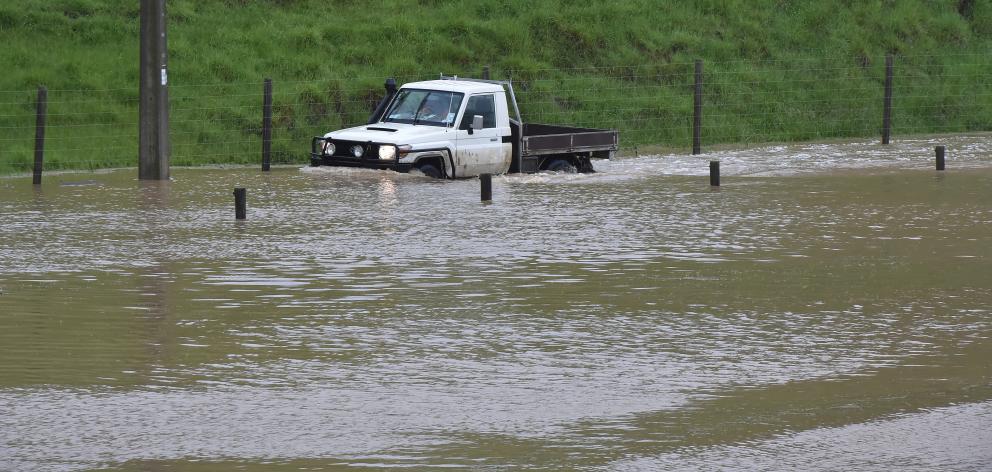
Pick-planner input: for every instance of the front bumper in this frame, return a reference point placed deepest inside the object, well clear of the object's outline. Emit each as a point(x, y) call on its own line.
point(370, 157)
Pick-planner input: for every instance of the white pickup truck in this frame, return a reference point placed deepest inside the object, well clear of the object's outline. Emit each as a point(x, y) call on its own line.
point(457, 128)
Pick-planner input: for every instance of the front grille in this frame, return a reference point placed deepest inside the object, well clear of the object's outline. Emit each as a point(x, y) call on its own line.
point(343, 149)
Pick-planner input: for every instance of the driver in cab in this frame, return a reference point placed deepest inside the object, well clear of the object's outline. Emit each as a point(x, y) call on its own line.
point(430, 111)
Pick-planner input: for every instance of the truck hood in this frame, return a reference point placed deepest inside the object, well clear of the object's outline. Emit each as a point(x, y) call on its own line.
point(394, 133)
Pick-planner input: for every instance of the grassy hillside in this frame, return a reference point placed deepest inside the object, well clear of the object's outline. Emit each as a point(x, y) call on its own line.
point(775, 70)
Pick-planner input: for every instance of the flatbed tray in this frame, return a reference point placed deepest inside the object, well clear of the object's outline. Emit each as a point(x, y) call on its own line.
point(541, 139)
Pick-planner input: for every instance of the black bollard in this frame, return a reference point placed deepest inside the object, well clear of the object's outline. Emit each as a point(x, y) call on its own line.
point(940, 157)
point(240, 197)
point(715, 173)
point(487, 187)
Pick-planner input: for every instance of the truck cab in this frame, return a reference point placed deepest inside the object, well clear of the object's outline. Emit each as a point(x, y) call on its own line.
point(453, 128)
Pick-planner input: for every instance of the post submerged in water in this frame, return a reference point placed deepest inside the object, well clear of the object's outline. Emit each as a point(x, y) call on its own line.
point(697, 110)
point(267, 125)
point(487, 187)
point(887, 107)
point(39, 134)
point(240, 203)
point(940, 157)
point(153, 105)
point(715, 173)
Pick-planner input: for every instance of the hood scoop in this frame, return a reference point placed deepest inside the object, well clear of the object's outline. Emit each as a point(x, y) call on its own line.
point(376, 128)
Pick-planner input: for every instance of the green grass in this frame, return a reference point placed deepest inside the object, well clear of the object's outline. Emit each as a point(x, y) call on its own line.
point(775, 70)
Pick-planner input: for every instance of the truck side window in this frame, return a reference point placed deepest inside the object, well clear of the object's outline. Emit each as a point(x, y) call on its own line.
point(484, 105)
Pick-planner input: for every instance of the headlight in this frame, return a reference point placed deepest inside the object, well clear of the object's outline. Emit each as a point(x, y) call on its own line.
point(328, 148)
point(357, 151)
point(387, 151)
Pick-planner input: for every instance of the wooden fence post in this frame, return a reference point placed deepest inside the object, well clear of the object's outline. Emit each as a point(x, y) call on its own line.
point(240, 203)
point(267, 125)
point(697, 109)
point(487, 187)
point(887, 110)
point(39, 134)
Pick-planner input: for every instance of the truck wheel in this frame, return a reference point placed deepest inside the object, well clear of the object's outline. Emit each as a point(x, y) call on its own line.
point(430, 170)
point(561, 165)
point(585, 166)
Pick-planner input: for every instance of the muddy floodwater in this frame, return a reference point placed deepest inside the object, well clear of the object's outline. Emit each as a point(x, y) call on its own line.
point(828, 308)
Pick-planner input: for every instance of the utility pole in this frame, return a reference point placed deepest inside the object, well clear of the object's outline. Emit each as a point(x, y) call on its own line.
point(153, 108)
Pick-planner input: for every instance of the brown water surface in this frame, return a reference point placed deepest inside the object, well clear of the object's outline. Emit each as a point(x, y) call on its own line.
point(829, 307)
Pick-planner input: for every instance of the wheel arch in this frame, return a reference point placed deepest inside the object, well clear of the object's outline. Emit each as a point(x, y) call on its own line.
point(435, 159)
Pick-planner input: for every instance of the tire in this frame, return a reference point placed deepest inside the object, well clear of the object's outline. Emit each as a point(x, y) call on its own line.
point(430, 170)
point(585, 166)
point(561, 165)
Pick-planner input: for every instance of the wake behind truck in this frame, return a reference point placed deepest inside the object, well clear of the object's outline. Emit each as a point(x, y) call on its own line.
point(458, 128)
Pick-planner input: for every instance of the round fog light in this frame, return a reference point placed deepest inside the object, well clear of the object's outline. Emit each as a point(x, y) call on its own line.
point(357, 151)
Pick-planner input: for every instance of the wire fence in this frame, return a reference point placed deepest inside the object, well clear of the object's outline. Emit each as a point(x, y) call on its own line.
point(744, 102)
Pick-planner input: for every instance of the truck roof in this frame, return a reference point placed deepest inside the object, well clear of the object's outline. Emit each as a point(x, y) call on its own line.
point(455, 86)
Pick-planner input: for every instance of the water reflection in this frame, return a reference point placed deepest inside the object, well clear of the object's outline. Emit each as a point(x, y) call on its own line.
point(387, 191)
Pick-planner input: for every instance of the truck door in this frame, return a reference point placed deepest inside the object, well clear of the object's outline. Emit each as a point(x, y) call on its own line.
point(481, 151)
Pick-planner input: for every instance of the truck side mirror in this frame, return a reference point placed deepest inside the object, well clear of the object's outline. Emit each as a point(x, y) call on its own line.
point(476, 122)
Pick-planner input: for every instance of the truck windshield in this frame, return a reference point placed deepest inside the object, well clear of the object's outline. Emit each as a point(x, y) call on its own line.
point(424, 107)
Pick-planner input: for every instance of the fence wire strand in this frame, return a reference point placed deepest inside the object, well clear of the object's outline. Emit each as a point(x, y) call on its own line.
point(650, 104)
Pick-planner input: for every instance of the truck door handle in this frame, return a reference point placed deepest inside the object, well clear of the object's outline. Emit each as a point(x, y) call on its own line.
point(493, 139)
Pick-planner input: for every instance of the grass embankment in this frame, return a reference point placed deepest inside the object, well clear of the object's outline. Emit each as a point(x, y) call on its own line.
point(776, 70)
